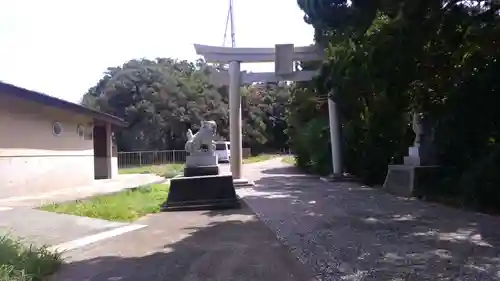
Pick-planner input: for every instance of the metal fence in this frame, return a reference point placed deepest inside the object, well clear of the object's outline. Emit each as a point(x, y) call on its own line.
point(286, 151)
point(147, 158)
point(159, 157)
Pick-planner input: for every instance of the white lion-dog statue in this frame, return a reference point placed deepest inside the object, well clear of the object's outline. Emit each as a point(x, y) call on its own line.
point(204, 137)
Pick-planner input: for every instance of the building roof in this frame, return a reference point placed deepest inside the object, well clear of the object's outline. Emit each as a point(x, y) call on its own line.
point(43, 99)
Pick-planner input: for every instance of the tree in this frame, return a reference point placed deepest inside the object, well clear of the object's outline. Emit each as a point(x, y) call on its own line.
point(162, 98)
point(387, 58)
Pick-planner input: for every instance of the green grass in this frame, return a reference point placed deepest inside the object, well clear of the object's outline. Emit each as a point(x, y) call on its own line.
point(258, 158)
point(289, 159)
point(26, 263)
point(124, 206)
point(167, 171)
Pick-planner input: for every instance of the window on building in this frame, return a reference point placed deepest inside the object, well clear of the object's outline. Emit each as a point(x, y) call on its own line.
point(57, 128)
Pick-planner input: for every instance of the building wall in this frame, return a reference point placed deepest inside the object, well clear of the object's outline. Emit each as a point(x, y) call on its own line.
point(32, 159)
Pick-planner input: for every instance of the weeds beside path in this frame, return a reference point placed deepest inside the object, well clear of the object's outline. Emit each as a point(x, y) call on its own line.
point(124, 206)
point(289, 159)
point(26, 263)
point(167, 170)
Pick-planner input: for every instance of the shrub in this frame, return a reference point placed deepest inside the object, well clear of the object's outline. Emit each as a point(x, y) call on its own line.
point(26, 263)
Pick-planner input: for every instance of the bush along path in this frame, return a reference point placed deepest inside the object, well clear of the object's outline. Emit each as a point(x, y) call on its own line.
point(167, 170)
point(19, 262)
point(367, 76)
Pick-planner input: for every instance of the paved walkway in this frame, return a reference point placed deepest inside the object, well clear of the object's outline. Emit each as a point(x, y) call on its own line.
point(45, 228)
point(347, 232)
point(117, 184)
point(18, 219)
point(188, 246)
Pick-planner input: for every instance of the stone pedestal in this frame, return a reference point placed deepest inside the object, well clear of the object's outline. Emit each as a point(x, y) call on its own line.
point(204, 159)
point(201, 193)
point(419, 174)
point(344, 177)
point(201, 164)
point(411, 180)
point(201, 171)
point(415, 178)
point(242, 183)
point(201, 188)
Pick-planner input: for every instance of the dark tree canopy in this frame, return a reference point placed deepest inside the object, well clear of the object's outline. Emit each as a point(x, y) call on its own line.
point(162, 98)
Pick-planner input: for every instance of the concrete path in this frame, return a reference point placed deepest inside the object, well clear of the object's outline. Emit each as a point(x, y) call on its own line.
point(188, 246)
point(18, 219)
point(44, 228)
point(117, 184)
point(347, 232)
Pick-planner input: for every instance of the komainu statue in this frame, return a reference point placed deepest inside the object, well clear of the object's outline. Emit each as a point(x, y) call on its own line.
point(203, 140)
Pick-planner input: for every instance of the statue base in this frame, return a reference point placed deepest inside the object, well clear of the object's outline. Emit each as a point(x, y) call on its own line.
point(201, 159)
point(411, 180)
point(242, 183)
point(201, 164)
point(201, 193)
point(344, 177)
point(413, 158)
point(201, 171)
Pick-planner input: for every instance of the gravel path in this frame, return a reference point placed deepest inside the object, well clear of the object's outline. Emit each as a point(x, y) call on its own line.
point(347, 232)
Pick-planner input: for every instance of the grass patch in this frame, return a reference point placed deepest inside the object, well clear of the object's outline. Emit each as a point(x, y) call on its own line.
point(258, 158)
point(167, 171)
point(26, 263)
point(124, 206)
point(289, 159)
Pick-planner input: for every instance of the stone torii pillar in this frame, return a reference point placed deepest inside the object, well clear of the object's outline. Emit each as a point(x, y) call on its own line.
point(235, 132)
point(283, 55)
point(335, 137)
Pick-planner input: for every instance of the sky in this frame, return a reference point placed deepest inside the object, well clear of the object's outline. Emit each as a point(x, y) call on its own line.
point(62, 48)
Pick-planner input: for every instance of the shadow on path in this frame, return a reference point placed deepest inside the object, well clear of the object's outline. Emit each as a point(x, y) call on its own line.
point(286, 171)
point(360, 233)
point(221, 245)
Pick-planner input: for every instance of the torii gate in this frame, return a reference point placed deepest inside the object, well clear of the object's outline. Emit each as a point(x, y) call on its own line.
point(283, 56)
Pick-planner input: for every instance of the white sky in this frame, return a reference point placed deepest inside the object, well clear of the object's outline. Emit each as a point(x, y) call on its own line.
point(62, 47)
